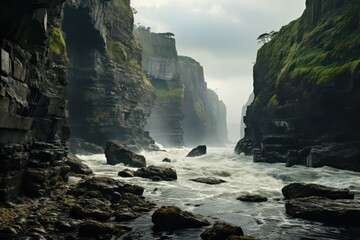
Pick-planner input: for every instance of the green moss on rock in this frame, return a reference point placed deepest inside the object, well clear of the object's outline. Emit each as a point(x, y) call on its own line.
point(273, 102)
point(116, 51)
point(57, 45)
point(320, 53)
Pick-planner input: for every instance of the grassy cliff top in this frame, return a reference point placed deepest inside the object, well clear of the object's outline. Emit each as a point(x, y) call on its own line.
point(318, 48)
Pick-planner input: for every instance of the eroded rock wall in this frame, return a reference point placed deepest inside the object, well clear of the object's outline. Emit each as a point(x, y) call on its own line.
point(306, 84)
point(160, 63)
point(109, 95)
point(33, 115)
point(205, 114)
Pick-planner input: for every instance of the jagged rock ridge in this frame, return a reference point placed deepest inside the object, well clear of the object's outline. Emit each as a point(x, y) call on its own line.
point(109, 95)
point(306, 85)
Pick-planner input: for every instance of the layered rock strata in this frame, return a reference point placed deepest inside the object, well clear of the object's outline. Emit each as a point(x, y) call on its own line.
point(33, 115)
point(160, 63)
point(205, 114)
point(307, 93)
point(109, 95)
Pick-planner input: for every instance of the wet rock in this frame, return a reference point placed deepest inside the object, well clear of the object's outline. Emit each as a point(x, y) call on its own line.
point(172, 218)
point(116, 153)
point(246, 197)
point(338, 155)
point(233, 237)
point(198, 151)
point(335, 212)
point(166, 160)
point(245, 146)
point(91, 211)
point(297, 157)
point(79, 146)
point(126, 216)
point(65, 225)
point(94, 229)
point(77, 166)
point(301, 190)
point(126, 173)
point(157, 173)
point(208, 180)
point(104, 187)
point(221, 231)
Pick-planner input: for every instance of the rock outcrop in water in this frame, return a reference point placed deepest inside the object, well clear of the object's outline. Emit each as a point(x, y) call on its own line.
point(307, 92)
point(109, 95)
point(205, 114)
point(33, 115)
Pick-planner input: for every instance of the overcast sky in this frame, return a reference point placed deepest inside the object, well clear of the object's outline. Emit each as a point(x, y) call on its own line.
point(221, 35)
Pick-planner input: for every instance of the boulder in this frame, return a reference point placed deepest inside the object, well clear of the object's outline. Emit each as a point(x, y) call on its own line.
point(168, 160)
point(104, 187)
point(76, 165)
point(126, 173)
point(221, 231)
point(94, 229)
point(79, 146)
point(208, 180)
point(343, 212)
point(172, 218)
point(301, 190)
point(338, 155)
point(245, 146)
point(198, 151)
point(157, 173)
point(116, 153)
point(294, 157)
point(246, 197)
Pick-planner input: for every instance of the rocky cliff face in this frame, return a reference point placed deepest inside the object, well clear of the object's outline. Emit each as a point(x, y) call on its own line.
point(160, 63)
point(109, 95)
point(205, 114)
point(33, 115)
point(307, 92)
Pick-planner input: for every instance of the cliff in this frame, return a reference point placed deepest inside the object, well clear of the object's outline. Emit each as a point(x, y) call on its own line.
point(160, 63)
point(205, 114)
point(109, 95)
point(306, 85)
point(33, 115)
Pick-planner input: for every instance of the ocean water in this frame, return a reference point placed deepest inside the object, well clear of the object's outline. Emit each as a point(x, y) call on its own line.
point(265, 220)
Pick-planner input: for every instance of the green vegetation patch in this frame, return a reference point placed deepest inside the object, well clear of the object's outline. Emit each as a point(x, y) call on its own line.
point(322, 53)
point(116, 51)
point(57, 44)
point(273, 102)
point(170, 93)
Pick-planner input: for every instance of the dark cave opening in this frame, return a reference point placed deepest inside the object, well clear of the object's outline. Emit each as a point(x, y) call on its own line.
point(84, 44)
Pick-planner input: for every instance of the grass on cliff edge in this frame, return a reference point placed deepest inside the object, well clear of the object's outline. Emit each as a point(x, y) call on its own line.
point(320, 54)
point(57, 45)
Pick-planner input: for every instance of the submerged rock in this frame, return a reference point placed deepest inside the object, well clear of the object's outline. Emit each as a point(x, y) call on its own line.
point(301, 190)
point(126, 173)
point(198, 151)
point(208, 180)
point(77, 166)
point(335, 212)
point(116, 153)
point(157, 173)
point(246, 197)
point(166, 160)
point(221, 231)
point(172, 218)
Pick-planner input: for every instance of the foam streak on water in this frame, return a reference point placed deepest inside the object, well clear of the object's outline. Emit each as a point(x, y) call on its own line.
point(218, 202)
